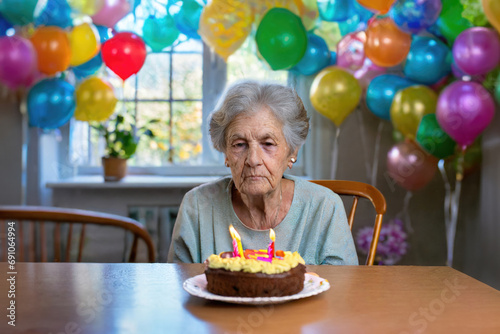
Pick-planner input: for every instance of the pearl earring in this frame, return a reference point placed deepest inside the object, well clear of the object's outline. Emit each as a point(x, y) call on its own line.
point(227, 165)
point(293, 160)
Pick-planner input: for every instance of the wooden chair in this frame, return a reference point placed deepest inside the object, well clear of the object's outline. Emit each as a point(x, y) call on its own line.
point(40, 216)
point(357, 190)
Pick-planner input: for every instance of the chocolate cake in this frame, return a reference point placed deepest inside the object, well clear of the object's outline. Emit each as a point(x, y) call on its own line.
point(240, 277)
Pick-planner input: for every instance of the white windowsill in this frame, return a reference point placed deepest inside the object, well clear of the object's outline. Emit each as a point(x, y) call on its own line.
point(131, 181)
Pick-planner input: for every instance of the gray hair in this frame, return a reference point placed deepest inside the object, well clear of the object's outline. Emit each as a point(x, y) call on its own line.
point(250, 97)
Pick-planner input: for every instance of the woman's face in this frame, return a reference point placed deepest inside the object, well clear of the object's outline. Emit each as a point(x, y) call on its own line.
point(256, 152)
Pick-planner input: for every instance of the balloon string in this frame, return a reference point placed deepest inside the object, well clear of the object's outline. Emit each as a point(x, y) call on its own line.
point(448, 193)
point(335, 153)
point(359, 114)
point(375, 154)
point(404, 213)
point(24, 148)
point(455, 204)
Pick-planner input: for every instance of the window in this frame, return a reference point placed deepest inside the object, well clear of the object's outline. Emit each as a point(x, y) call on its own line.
point(179, 86)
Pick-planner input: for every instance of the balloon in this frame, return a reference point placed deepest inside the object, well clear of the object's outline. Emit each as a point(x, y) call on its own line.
point(368, 72)
point(381, 6)
point(497, 89)
point(89, 68)
point(335, 10)
point(111, 12)
point(17, 61)
point(460, 74)
point(124, 54)
point(410, 166)
point(335, 93)
point(281, 38)
point(51, 103)
point(333, 58)
point(492, 10)
point(464, 110)
point(477, 50)
point(409, 106)
point(316, 58)
point(350, 51)
point(159, 32)
point(85, 43)
point(95, 100)
point(363, 13)
point(450, 22)
point(56, 13)
point(381, 91)
point(88, 7)
point(225, 25)
point(433, 139)
point(386, 45)
point(4, 26)
point(415, 15)
point(428, 61)
point(53, 49)
point(18, 12)
point(104, 33)
point(187, 20)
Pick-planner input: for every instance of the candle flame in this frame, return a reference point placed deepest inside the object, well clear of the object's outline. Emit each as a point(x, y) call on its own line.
point(272, 235)
point(234, 233)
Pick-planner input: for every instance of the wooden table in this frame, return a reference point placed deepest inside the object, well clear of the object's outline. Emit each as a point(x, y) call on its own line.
point(149, 298)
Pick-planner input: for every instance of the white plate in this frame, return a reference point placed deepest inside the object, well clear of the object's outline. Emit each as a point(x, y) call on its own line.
point(313, 285)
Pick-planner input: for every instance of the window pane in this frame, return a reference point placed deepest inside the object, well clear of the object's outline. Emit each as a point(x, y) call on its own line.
point(188, 76)
point(187, 133)
point(153, 77)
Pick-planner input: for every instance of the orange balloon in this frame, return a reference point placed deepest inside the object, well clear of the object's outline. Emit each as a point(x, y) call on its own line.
point(386, 45)
point(492, 11)
point(381, 6)
point(53, 50)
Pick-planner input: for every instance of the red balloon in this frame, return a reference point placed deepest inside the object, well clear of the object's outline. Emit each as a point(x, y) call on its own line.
point(410, 166)
point(124, 54)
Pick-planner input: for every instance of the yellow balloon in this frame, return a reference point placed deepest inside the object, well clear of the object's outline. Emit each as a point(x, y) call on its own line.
point(335, 93)
point(85, 43)
point(409, 106)
point(95, 100)
point(225, 25)
point(89, 7)
point(492, 11)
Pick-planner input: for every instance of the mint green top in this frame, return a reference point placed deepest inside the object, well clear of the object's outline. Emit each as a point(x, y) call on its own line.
point(315, 226)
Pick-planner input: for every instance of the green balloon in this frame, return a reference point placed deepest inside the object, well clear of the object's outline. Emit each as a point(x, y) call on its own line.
point(450, 22)
point(281, 38)
point(433, 139)
point(18, 12)
point(159, 33)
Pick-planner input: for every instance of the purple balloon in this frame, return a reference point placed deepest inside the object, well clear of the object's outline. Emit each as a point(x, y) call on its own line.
point(477, 50)
point(18, 62)
point(464, 110)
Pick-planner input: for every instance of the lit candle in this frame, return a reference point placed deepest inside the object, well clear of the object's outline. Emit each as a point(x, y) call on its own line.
point(270, 249)
point(237, 248)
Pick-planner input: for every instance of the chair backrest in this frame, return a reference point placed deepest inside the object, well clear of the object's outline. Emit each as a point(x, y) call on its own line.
point(37, 219)
point(357, 190)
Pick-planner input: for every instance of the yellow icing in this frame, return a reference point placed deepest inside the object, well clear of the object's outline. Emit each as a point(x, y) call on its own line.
point(290, 260)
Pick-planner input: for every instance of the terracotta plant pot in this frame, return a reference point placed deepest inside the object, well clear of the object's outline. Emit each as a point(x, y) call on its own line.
point(115, 169)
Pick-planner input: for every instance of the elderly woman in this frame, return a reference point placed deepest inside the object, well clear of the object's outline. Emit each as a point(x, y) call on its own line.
point(260, 129)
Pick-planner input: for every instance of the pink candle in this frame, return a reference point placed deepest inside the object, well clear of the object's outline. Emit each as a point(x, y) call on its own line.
point(270, 249)
point(235, 248)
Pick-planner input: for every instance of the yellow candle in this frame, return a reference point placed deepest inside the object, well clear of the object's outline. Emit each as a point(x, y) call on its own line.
point(236, 236)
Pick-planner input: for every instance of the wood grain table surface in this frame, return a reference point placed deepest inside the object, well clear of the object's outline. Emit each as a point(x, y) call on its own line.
point(149, 298)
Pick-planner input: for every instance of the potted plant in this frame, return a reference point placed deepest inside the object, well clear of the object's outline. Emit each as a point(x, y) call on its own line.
point(121, 137)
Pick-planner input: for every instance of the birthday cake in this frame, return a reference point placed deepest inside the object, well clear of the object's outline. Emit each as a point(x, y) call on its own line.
point(254, 276)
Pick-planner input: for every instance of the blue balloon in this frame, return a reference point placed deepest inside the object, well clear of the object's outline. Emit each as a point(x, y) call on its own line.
point(333, 58)
point(89, 68)
point(381, 91)
point(51, 103)
point(335, 10)
point(352, 24)
point(364, 14)
point(4, 26)
point(104, 33)
point(428, 61)
point(316, 57)
point(415, 15)
point(187, 20)
point(56, 13)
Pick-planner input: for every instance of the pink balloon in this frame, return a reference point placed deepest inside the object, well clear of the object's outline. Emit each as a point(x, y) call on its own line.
point(351, 51)
point(477, 50)
point(18, 61)
point(410, 166)
point(111, 12)
point(368, 72)
point(464, 110)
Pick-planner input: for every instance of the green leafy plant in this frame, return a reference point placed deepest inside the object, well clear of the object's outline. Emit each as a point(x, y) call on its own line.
point(122, 135)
